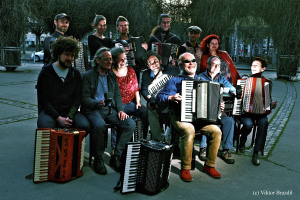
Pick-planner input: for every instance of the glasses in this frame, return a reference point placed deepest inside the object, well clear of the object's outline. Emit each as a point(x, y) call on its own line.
point(216, 65)
point(188, 61)
point(152, 62)
point(107, 59)
point(125, 25)
point(214, 43)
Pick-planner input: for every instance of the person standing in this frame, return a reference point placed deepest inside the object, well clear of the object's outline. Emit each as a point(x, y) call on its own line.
point(98, 40)
point(210, 46)
point(102, 104)
point(192, 45)
point(61, 23)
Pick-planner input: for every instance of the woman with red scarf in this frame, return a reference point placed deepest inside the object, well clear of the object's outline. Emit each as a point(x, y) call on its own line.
point(210, 47)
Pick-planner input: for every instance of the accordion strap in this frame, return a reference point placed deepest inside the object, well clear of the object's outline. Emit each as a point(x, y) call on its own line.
point(118, 186)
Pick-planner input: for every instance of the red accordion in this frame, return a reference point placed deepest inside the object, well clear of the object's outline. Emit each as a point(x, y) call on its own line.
point(59, 154)
point(256, 97)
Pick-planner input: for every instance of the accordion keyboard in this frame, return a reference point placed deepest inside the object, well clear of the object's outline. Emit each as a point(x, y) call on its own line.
point(237, 106)
point(42, 150)
point(187, 101)
point(131, 167)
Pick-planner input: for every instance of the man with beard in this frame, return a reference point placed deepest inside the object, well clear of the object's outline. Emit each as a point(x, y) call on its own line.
point(61, 23)
point(59, 89)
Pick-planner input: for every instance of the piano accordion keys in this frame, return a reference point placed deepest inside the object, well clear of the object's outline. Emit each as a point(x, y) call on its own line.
point(200, 101)
point(147, 167)
point(59, 154)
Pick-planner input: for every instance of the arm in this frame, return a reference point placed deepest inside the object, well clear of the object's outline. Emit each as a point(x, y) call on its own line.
point(88, 91)
point(146, 81)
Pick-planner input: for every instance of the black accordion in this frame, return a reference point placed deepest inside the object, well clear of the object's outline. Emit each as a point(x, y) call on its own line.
point(256, 97)
point(146, 167)
point(201, 101)
point(167, 51)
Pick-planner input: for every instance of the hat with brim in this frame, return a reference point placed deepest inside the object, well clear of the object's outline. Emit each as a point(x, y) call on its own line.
point(194, 28)
point(62, 15)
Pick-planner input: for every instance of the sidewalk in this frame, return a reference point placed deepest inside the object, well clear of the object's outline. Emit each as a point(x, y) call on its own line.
point(276, 178)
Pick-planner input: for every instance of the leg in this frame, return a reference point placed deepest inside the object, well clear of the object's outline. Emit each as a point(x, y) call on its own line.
point(81, 122)
point(98, 128)
point(262, 130)
point(141, 112)
point(155, 127)
point(46, 121)
point(187, 132)
point(227, 132)
point(125, 130)
point(213, 133)
point(247, 123)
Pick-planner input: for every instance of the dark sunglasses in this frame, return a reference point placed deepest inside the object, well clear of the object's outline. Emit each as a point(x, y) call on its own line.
point(188, 61)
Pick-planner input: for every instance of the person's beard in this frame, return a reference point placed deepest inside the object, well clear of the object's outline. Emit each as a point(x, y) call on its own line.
point(62, 64)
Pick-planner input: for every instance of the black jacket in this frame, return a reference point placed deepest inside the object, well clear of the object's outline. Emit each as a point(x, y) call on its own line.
point(55, 97)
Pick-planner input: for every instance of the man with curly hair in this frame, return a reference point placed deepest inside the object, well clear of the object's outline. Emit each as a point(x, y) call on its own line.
point(59, 88)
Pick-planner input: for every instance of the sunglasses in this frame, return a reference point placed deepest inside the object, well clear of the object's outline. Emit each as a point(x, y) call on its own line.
point(188, 61)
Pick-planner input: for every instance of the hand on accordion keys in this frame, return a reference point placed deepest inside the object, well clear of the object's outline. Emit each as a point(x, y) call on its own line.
point(175, 98)
point(222, 105)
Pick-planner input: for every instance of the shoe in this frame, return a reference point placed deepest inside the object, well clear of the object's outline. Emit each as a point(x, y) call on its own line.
point(185, 175)
point(242, 149)
point(211, 172)
point(115, 162)
point(202, 154)
point(255, 160)
point(227, 157)
point(99, 166)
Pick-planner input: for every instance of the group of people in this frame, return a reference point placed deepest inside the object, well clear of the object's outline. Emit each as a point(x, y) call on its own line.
point(109, 92)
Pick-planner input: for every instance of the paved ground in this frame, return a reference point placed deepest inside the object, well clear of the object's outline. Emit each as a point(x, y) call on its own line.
point(276, 178)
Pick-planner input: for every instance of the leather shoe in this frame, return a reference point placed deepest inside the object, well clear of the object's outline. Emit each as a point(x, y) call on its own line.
point(115, 162)
point(255, 160)
point(185, 175)
point(99, 166)
point(202, 154)
point(211, 172)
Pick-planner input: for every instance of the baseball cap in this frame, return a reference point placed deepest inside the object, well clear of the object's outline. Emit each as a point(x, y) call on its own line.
point(62, 15)
point(194, 28)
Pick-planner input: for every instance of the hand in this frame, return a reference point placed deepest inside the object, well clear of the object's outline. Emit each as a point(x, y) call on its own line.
point(122, 116)
point(138, 105)
point(64, 121)
point(222, 106)
point(145, 46)
point(176, 98)
point(273, 104)
point(101, 104)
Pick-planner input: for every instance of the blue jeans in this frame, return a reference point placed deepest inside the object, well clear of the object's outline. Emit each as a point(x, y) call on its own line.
point(79, 121)
point(261, 134)
point(98, 120)
point(130, 109)
point(227, 127)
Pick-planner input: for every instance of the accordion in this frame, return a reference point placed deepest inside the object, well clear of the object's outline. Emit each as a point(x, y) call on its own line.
point(146, 167)
point(256, 97)
point(201, 101)
point(58, 155)
point(167, 51)
point(158, 84)
point(139, 51)
point(81, 62)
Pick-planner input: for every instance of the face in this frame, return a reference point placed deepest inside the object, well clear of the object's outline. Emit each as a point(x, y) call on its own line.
point(105, 61)
point(213, 45)
point(66, 59)
point(256, 67)
point(101, 26)
point(122, 60)
point(123, 27)
point(193, 36)
point(153, 63)
point(189, 64)
point(165, 23)
point(62, 24)
point(215, 66)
